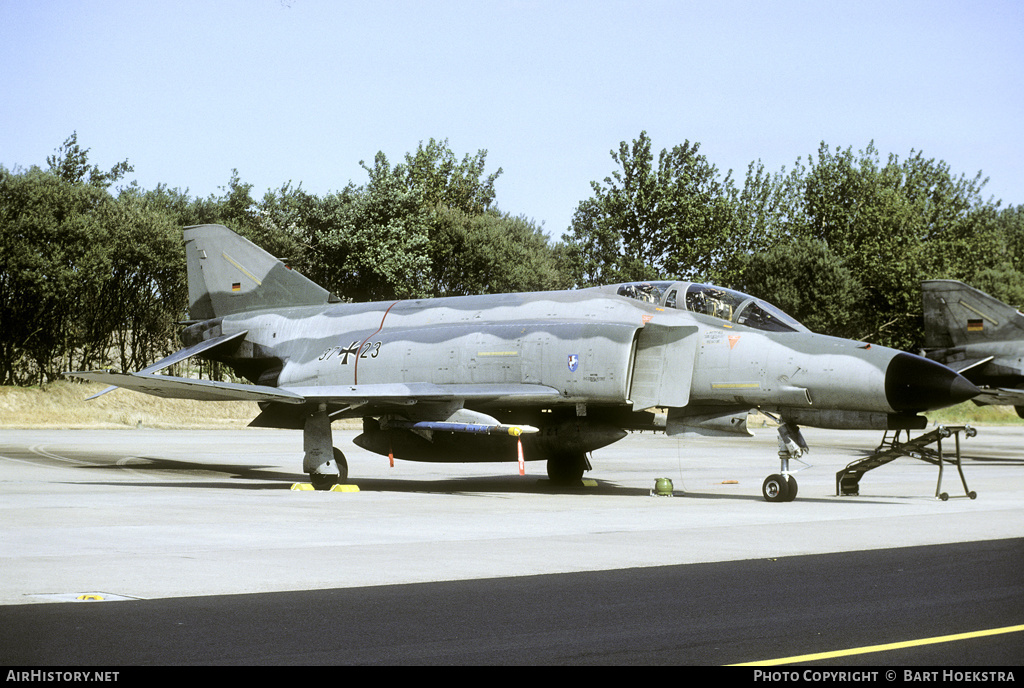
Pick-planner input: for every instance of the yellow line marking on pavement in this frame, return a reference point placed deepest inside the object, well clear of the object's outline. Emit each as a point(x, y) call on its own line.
point(882, 648)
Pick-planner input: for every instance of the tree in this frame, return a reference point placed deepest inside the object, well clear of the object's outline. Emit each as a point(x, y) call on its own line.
point(54, 257)
point(146, 292)
point(71, 165)
point(768, 211)
point(488, 253)
point(645, 221)
point(433, 172)
point(370, 243)
point(896, 224)
point(809, 282)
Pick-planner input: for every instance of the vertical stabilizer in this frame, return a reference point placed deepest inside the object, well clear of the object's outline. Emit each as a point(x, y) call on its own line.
point(229, 274)
point(956, 314)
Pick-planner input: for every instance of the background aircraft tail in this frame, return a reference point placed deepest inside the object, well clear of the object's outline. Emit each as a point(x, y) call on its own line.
point(229, 274)
point(956, 314)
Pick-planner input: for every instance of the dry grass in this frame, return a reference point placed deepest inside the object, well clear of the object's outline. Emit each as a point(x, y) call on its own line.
point(63, 405)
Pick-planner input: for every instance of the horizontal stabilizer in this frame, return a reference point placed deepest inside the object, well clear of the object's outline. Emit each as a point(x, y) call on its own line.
point(187, 388)
point(181, 355)
point(967, 364)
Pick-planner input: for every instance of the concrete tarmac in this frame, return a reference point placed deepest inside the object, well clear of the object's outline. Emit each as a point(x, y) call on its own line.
point(148, 514)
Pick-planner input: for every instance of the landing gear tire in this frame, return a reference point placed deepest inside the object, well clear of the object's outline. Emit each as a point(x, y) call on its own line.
point(779, 488)
point(567, 469)
point(319, 481)
point(325, 481)
point(342, 462)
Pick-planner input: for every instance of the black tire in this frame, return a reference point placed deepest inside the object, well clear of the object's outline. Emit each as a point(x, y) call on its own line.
point(342, 462)
point(775, 488)
point(567, 469)
point(792, 488)
point(325, 481)
point(319, 481)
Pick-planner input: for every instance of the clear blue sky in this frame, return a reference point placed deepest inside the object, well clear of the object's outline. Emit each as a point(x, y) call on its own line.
point(302, 90)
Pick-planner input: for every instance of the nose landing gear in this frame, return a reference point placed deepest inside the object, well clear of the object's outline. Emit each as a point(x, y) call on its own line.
point(781, 486)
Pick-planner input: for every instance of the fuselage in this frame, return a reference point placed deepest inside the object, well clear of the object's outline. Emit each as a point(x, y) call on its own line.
point(598, 347)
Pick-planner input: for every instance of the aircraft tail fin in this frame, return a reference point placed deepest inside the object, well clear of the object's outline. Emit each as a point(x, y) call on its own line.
point(229, 274)
point(956, 314)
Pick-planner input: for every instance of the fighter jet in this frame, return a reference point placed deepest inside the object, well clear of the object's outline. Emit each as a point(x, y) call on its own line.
point(547, 376)
point(978, 336)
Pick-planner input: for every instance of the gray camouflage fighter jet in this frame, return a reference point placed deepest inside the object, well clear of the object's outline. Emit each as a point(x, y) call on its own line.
point(511, 377)
point(978, 336)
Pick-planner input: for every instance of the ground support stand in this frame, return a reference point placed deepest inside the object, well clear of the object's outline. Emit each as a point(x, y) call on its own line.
point(848, 479)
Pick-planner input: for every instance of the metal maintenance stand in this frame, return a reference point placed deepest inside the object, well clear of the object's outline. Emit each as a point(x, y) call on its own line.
point(848, 479)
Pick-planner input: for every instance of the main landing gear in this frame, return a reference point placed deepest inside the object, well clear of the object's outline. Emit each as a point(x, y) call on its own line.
point(325, 463)
point(781, 486)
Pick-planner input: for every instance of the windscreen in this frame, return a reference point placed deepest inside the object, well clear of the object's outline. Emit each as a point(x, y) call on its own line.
point(739, 308)
point(718, 302)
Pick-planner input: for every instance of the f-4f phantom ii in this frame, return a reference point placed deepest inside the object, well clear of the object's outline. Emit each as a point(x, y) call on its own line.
point(537, 376)
point(978, 336)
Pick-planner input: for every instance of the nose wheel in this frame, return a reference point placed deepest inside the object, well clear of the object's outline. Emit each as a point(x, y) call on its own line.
point(779, 488)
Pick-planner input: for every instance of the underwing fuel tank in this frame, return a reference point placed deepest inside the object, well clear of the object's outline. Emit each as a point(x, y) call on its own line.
point(552, 440)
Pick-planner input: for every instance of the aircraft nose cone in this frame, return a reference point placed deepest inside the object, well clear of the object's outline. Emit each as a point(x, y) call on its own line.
point(914, 384)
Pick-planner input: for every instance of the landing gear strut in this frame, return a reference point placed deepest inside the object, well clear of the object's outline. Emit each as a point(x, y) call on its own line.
point(781, 486)
point(324, 462)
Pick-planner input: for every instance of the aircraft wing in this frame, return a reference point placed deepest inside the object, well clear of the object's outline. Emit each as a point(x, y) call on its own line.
point(352, 395)
point(187, 388)
point(1000, 396)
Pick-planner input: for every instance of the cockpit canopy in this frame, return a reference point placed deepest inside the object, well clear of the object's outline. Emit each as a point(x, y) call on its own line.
point(718, 302)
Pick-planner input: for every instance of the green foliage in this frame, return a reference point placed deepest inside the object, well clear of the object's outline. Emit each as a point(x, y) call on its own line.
point(50, 261)
point(71, 164)
point(647, 221)
point(894, 225)
point(808, 281)
point(842, 242)
point(441, 181)
point(369, 243)
point(425, 227)
point(488, 253)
